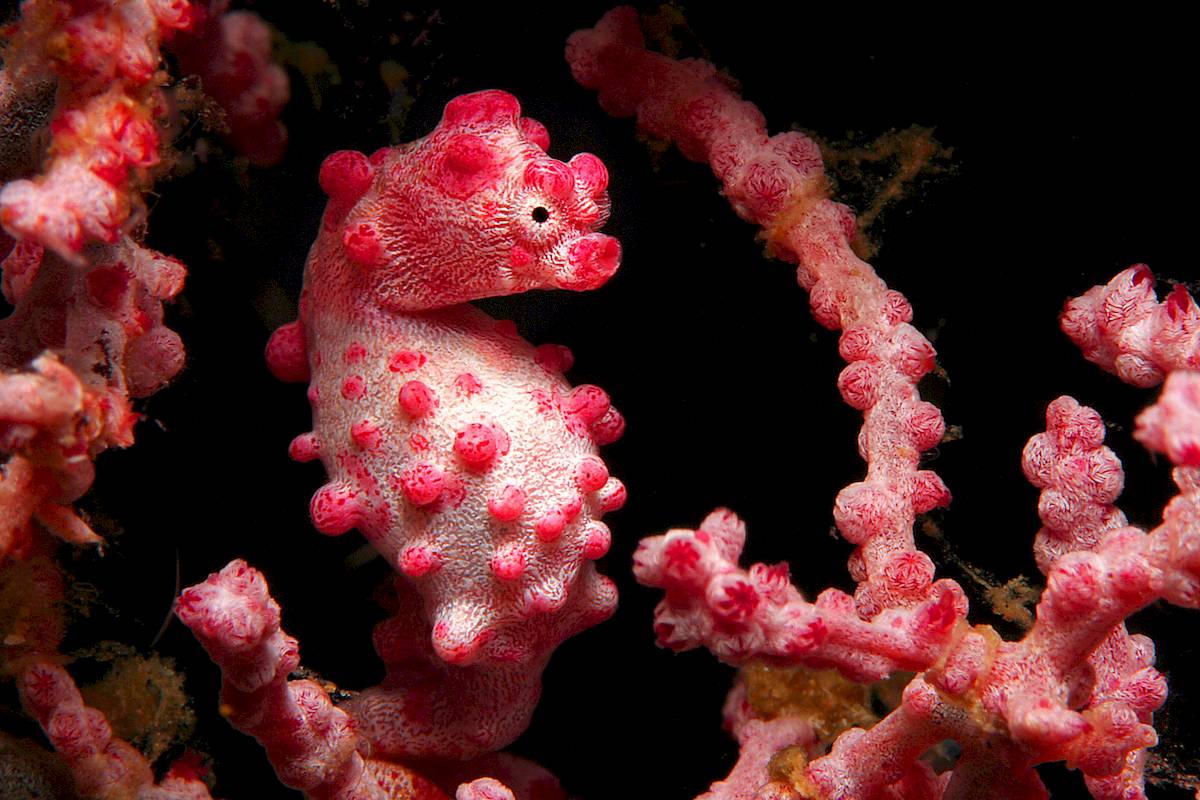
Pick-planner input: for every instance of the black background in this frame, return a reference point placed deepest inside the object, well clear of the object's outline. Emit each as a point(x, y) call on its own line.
point(1071, 159)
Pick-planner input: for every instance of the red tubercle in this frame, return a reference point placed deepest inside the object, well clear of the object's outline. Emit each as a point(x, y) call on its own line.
point(335, 509)
point(366, 434)
point(929, 492)
point(1179, 303)
point(591, 172)
point(508, 504)
point(454, 650)
point(417, 400)
point(417, 561)
point(508, 562)
point(304, 448)
point(862, 511)
point(897, 309)
point(467, 154)
point(346, 176)
point(354, 387)
point(857, 343)
point(555, 358)
point(491, 106)
point(680, 559)
point(825, 303)
point(609, 428)
point(590, 474)
point(592, 261)
point(534, 132)
point(925, 424)
point(109, 286)
point(477, 445)
point(362, 244)
point(550, 177)
point(422, 484)
point(571, 508)
point(550, 525)
point(467, 385)
point(587, 403)
point(406, 361)
point(613, 496)
point(859, 384)
point(506, 328)
point(544, 599)
point(597, 540)
point(735, 600)
point(909, 573)
point(355, 353)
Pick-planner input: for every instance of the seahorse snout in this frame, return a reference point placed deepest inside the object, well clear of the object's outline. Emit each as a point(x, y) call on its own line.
point(591, 261)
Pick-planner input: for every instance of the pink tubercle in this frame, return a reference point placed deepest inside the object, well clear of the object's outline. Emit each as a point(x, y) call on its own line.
point(508, 562)
point(335, 509)
point(416, 399)
point(366, 434)
point(304, 448)
point(345, 175)
point(417, 561)
point(508, 504)
point(354, 387)
point(476, 445)
point(590, 474)
point(422, 484)
point(406, 361)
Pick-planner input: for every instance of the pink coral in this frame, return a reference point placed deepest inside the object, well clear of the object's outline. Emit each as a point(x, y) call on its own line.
point(230, 51)
point(1125, 329)
point(106, 57)
point(94, 338)
point(1077, 687)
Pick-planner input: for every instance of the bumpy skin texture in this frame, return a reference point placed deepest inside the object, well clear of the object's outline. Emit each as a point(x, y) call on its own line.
point(1077, 688)
point(453, 445)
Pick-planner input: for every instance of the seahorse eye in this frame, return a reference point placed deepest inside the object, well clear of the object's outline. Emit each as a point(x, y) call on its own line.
point(540, 215)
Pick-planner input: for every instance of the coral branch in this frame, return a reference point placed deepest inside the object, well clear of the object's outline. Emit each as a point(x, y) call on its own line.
point(1122, 327)
point(1077, 688)
point(104, 767)
point(757, 614)
point(93, 338)
point(312, 745)
point(778, 183)
point(106, 57)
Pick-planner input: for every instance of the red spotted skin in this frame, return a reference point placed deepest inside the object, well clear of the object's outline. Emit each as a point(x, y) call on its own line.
point(452, 444)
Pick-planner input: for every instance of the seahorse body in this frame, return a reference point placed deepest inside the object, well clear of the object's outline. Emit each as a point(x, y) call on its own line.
point(453, 445)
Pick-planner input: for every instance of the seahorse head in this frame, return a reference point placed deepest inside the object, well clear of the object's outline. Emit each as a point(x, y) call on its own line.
point(475, 209)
